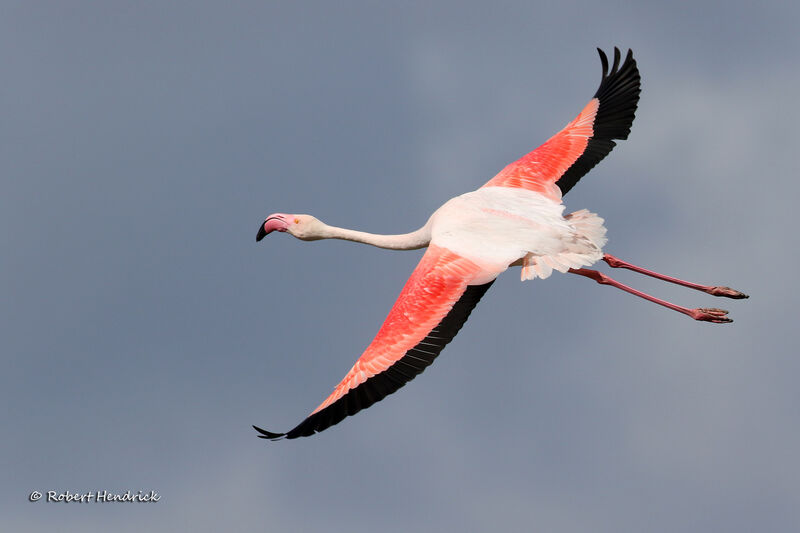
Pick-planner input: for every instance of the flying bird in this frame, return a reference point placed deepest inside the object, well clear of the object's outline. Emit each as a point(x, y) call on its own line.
point(515, 219)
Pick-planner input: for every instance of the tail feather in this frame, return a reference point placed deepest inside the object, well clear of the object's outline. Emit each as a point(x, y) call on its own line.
point(589, 225)
point(590, 237)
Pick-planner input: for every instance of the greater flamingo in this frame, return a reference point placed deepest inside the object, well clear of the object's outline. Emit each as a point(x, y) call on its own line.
point(515, 219)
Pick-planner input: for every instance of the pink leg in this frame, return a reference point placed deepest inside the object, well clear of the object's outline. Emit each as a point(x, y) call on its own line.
point(615, 262)
point(707, 314)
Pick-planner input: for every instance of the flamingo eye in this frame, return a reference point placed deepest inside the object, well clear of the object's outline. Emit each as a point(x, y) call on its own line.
point(297, 221)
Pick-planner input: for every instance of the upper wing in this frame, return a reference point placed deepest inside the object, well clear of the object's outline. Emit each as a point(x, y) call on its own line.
point(575, 150)
point(431, 308)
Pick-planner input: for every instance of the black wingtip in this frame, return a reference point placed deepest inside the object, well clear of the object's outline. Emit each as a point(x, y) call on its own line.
point(268, 434)
point(618, 97)
point(618, 94)
point(617, 65)
point(603, 62)
point(616, 60)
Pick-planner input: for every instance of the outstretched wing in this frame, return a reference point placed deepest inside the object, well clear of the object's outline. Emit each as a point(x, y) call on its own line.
point(584, 142)
point(431, 308)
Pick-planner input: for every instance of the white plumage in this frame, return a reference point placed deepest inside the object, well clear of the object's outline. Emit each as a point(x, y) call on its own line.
point(501, 226)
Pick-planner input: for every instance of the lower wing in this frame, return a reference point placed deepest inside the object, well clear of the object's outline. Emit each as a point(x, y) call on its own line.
point(431, 308)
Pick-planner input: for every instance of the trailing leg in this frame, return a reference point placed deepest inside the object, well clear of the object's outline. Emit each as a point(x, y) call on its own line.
point(615, 262)
point(710, 314)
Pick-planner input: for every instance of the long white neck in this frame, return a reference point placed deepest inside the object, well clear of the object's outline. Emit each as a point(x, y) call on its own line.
point(407, 241)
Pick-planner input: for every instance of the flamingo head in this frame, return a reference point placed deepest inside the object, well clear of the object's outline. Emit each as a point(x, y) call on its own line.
point(304, 227)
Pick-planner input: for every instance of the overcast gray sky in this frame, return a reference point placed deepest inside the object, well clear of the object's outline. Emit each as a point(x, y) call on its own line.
point(143, 329)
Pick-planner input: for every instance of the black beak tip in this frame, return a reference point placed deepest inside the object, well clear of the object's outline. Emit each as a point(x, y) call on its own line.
point(261, 233)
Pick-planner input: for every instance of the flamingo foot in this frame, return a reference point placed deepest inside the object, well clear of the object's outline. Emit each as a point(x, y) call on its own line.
point(727, 292)
point(710, 314)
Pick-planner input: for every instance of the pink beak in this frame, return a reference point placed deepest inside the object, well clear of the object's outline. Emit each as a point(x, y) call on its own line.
point(276, 222)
